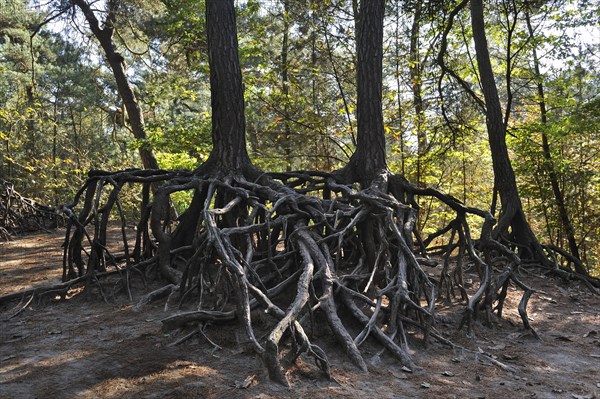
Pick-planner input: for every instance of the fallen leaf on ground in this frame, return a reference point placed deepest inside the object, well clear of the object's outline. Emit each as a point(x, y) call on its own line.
point(547, 298)
point(399, 376)
point(246, 383)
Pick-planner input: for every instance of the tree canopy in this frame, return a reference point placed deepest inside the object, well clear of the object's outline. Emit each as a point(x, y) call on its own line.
point(298, 61)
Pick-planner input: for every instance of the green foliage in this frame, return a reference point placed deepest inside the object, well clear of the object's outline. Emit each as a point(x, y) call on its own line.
point(183, 22)
point(574, 141)
point(60, 115)
point(54, 126)
point(300, 123)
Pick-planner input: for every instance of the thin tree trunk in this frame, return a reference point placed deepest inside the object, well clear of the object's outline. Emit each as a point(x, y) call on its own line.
point(338, 81)
point(549, 163)
point(8, 158)
point(117, 64)
point(76, 142)
point(509, 7)
point(30, 123)
point(512, 223)
point(285, 86)
point(321, 143)
point(416, 85)
point(54, 149)
point(398, 95)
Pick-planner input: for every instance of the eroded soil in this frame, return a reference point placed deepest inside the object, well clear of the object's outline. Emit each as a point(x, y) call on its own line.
point(86, 348)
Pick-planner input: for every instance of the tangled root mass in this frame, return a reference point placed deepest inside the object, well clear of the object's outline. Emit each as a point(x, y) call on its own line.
point(298, 246)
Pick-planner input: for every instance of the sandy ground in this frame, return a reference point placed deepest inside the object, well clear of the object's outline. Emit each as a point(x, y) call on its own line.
point(86, 348)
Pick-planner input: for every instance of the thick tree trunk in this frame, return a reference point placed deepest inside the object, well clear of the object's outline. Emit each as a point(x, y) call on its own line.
point(117, 64)
point(369, 159)
point(229, 154)
point(227, 93)
point(512, 223)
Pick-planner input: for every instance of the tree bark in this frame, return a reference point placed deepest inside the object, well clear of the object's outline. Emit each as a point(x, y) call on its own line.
point(116, 61)
point(512, 224)
point(369, 159)
point(227, 93)
point(229, 154)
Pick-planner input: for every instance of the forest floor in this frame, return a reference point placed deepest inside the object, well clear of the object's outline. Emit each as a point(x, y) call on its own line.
point(87, 348)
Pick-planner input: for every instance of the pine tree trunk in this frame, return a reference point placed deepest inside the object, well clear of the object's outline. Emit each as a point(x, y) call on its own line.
point(229, 153)
point(227, 94)
point(369, 159)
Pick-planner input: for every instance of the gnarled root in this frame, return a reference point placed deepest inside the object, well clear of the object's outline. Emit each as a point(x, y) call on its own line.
point(293, 245)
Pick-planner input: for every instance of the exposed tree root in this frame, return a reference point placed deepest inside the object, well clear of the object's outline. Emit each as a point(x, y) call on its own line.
point(477, 354)
point(299, 246)
point(57, 290)
point(19, 214)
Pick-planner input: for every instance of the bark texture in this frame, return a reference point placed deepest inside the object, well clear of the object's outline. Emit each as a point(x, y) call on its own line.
point(227, 93)
point(369, 159)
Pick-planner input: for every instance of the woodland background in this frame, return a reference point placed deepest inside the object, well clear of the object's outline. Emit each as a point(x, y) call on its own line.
point(61, 115)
